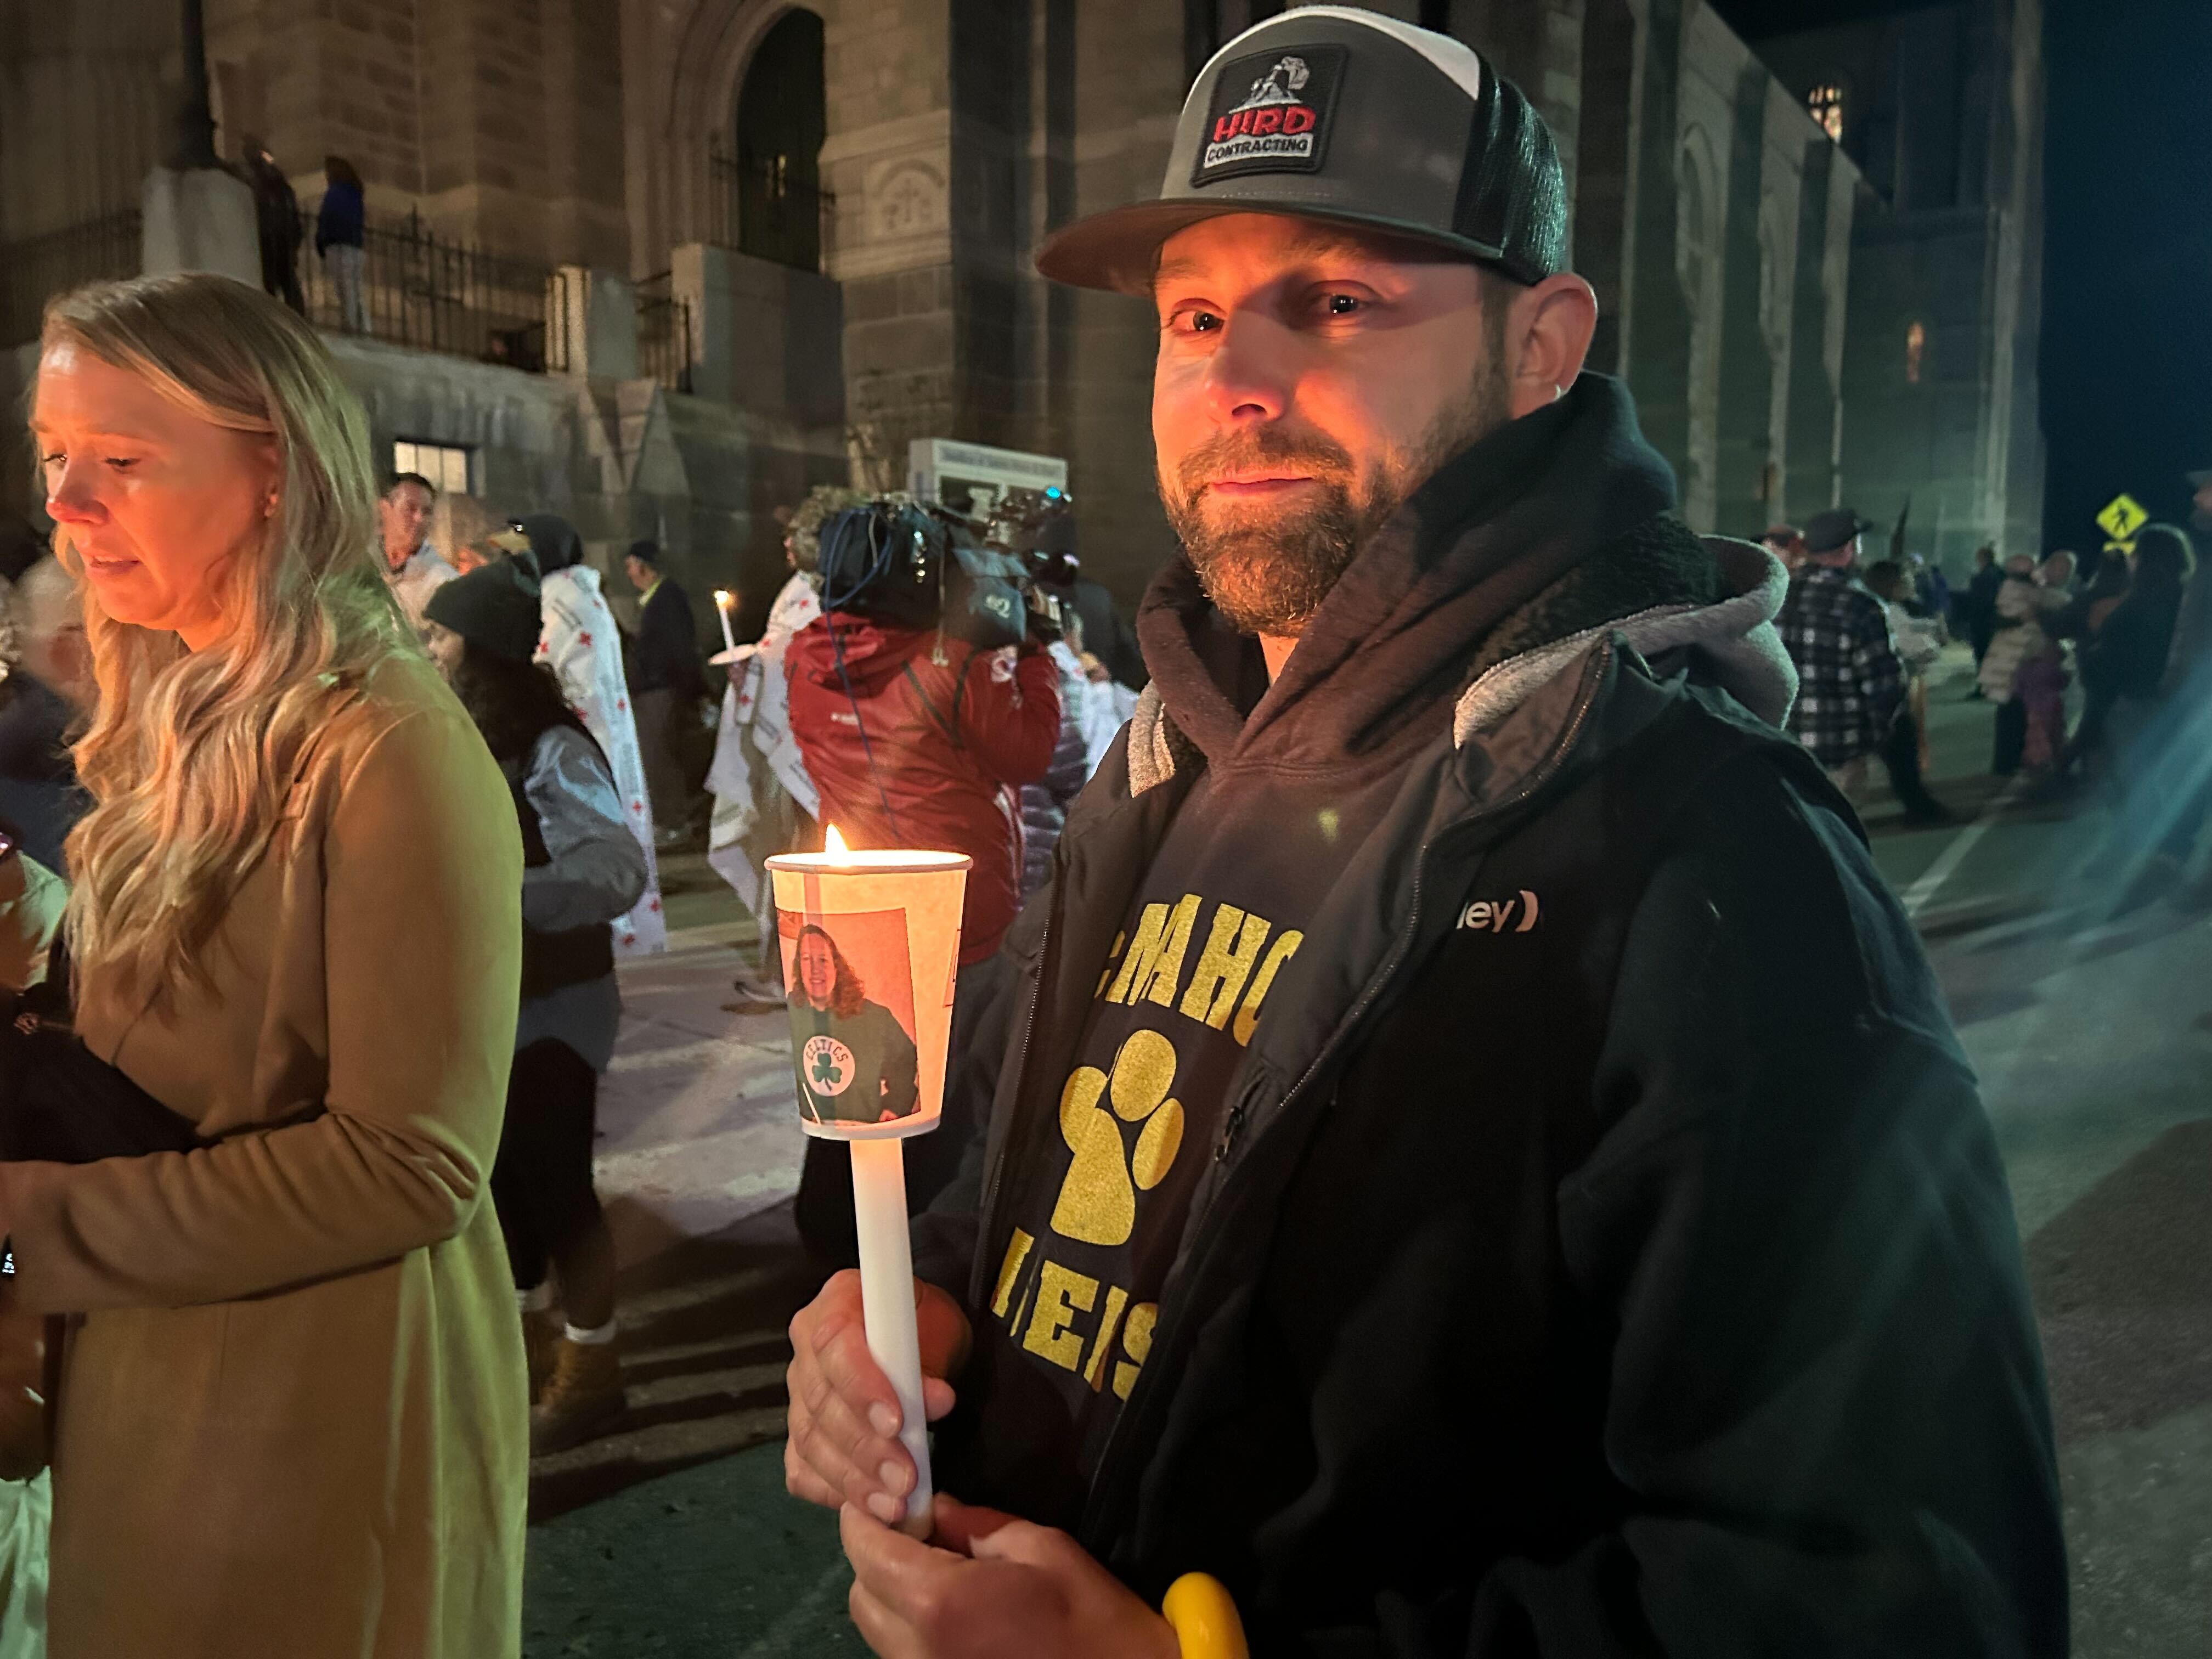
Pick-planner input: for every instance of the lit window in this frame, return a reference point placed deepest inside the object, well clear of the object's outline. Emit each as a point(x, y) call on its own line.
point(1916, 342)
point(1827, 104)
point(444, 465)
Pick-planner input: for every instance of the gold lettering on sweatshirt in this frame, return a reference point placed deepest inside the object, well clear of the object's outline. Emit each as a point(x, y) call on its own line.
point(1285, 947)
point(1232, 950)
point(1154, 961)
point(1061, 1294)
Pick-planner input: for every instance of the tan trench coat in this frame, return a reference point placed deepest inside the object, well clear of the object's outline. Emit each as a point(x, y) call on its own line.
point(292, 1420)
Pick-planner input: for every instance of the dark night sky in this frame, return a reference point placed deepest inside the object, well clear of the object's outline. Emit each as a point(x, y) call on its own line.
point(2127, 317)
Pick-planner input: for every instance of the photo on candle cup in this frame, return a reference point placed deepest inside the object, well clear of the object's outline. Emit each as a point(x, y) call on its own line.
point(851, 1004)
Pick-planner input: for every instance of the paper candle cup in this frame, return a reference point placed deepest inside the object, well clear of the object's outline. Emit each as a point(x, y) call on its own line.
point(870, 944)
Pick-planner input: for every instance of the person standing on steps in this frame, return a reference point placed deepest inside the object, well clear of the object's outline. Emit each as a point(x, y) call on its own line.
point(341, 239)
point(581, 869)
point(1465, 1064)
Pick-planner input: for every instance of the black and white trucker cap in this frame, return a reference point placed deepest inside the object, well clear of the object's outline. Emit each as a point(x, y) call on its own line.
point(1334, 113)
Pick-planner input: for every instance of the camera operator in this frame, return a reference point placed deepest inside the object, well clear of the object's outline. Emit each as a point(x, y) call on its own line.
point(917, 737)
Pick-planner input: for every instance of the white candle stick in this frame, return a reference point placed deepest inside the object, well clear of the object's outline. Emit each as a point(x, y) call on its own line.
point(871, 941)
point(887, 1303)
point(722, 599)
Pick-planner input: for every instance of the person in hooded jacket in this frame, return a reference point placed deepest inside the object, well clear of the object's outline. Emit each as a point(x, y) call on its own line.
point(1477, 1162)
point(582, 868)
point(583, 647)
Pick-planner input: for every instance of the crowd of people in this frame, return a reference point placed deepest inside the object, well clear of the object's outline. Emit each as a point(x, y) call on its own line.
point(2128, 641)
point(1425, 1019)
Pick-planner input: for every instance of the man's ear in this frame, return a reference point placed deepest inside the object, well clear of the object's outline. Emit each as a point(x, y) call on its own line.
point(1548, 337)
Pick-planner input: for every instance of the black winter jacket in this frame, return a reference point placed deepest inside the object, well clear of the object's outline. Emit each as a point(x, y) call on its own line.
point(1634, 1276)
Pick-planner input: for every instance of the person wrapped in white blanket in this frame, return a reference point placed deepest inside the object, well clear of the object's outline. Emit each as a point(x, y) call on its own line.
point(764, 802)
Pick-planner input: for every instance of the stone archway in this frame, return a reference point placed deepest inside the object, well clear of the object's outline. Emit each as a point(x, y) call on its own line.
point(768, 180)
point(705, 55)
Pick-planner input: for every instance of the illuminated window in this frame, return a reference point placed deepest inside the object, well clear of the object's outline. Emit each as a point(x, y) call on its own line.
point(1827, 104)
point(1916, 342)
point(444, 465)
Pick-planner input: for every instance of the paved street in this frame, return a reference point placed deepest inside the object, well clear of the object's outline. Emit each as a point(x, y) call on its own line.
point(2093, 1038)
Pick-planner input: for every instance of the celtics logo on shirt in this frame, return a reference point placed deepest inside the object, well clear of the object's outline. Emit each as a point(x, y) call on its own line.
point(827, 1065)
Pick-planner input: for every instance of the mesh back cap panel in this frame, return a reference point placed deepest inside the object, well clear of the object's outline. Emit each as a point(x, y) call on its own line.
point(1348, 118)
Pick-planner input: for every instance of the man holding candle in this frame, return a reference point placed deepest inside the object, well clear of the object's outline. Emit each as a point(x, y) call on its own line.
point(1478, 1164)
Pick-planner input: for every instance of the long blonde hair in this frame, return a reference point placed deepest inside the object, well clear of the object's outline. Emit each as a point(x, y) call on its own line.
point(190, 755)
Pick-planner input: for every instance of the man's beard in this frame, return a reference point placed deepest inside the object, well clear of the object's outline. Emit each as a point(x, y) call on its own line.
point(1267, 570)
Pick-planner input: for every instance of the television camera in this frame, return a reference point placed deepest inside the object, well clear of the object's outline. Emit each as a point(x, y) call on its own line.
point(987, 579)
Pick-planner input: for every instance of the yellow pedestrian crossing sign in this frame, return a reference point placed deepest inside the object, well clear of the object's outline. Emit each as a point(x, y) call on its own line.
point(2123, 519)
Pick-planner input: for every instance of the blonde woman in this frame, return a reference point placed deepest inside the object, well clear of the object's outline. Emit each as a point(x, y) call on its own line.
point(292, 1417)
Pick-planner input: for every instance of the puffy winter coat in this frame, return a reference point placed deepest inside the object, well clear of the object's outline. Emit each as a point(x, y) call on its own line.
point(911, 751)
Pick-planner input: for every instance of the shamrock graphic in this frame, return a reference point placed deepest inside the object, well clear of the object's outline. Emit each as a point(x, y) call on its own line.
point(827, 1065)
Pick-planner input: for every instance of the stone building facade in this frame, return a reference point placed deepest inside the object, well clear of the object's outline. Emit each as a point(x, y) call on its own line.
point(1943, 107)
point(841, 201)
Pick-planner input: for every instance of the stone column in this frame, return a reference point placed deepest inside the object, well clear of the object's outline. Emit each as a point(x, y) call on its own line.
point(1657, 323)
point(200, 219)
point(1815, 412)
point(1744, 423)
point(196, 216)
point(592, 324)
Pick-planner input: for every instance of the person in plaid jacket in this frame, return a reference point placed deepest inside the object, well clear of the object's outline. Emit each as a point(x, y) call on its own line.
point(1850, 678)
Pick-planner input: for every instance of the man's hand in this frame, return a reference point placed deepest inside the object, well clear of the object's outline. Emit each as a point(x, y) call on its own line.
point(990, 1587)
point(844, 1446)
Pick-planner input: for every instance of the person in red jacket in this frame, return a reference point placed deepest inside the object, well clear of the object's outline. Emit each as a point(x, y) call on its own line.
point(917, 739)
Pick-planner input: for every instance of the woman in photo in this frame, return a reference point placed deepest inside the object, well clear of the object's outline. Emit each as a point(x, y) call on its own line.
point(292, 1418)
point(855, 1062)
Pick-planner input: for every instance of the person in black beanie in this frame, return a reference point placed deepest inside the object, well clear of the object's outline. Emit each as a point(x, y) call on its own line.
point(667, 688)
point(582, 868)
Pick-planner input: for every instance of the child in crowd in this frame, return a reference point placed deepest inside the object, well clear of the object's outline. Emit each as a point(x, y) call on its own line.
point(583, 869)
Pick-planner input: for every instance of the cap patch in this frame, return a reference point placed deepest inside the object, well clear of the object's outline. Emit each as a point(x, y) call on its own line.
point(1270, 112)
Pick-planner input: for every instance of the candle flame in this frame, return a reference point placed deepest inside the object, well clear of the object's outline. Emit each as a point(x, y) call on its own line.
point(722, 598)
point(833, 844)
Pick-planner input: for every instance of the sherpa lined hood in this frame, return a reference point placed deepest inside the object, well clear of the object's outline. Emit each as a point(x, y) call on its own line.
point(1519, 555)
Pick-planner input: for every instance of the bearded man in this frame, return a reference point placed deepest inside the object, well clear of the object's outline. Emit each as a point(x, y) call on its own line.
point(1477, 1162)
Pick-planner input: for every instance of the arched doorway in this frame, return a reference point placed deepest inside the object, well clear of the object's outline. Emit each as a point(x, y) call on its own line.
point(767, 171)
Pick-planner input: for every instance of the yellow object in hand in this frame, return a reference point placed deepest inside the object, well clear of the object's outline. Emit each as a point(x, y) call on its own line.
point(1204, 1617)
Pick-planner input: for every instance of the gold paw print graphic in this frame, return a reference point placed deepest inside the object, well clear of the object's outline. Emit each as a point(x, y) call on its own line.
point(1098, 1200)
